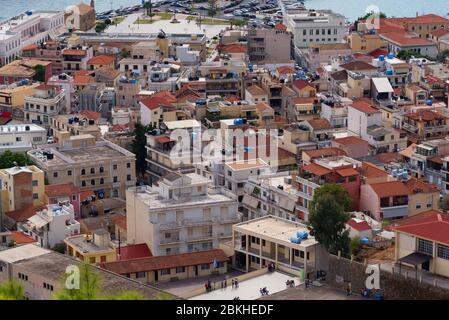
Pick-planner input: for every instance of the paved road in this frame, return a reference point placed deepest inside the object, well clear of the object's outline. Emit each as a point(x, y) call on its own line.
point(311, 293)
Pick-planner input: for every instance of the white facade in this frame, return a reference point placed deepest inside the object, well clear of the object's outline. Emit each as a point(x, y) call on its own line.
point(52, 225)
point(67, 83)
point(359, 121)
point(21, 137)
point(186, 55)
point(315, 27)
point(180, 215)
point(45, 103)
point(25, 29)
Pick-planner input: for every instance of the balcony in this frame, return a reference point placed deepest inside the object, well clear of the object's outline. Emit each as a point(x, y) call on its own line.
point(170, 226)
point(197, 222)
point(173, 240)
point(202, 237)
point(394, 212)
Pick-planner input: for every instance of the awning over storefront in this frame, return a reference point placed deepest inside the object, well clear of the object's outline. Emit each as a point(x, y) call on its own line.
point(415, 259)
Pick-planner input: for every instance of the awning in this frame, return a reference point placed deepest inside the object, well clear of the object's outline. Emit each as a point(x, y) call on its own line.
point(287, 204)
point(38, 221)
point(250, 201)
point(415, 258)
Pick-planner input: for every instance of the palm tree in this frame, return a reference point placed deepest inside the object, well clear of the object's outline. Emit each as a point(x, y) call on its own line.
point(148, 5)
point(11, 290)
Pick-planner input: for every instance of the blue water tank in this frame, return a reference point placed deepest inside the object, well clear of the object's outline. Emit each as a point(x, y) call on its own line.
point(295, 240)
point(29, 12)
point(238, 121)
point(302, 235)
point(381, 57)
point(389, 72)
point(390, 56)
point(364, 240)
point(429, 102)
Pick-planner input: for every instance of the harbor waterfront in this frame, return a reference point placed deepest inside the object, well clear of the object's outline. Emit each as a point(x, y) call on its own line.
point(350, 9)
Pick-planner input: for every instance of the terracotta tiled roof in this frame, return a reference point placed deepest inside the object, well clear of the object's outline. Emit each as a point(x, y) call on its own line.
point(167, 95)
point(439, 32)
point(74, 52)
point(425, 115)
point(320, 124)
point(418, 186)
point(55, 190)
point(324, 152)
point(255, 90)
point(89, 114)
point(46, 87)
point(234, 48)
point(351, 140)
point(155, 102)
point(405, 40)
point(433, 225)
point(134, 251)
point(101, 60)
point(389, 189)
point(263, 106)
point(80, 80)
point(280, 26)
point(166, 262)
point(30, 47)
point(358, 66)
point(286, 70)
point(316, 169)
point(232, 98)
point(303, 100)
point(359, 226)
point(347, 172)
point(24, 214)
point(301, 84)
point(364, 106)
point(86, 194)
point(21, 238)
point(378, 52)
point(370, 170)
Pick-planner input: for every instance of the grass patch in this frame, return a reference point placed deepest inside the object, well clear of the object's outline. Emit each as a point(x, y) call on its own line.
point(118, 20)
point(209, 21)
point(161, 15)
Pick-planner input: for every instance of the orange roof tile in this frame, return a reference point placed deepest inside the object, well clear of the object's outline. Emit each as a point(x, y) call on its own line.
point(101, 60)
point(316, 169)
point(389, 189)
point(350, 140)
point(55, 190)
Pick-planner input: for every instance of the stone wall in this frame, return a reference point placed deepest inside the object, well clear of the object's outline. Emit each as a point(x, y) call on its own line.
point(340, 271)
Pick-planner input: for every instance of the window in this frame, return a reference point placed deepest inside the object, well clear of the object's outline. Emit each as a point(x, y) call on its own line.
point(47, 286)
point(101, 181)
point(425, 246)
point(180, 269)
point(114, 167)
point(165, 272)
point(55, 174)
point(18, 139)
point(92, 182)
point(418, 206)
point(83, 183)
point(140, 275)
point(205, 266)
point(429, 205)
point(35, 183)
point(83, 171)
point(69, 173)
point(128, 177)
point(443, 251)
point(92, 170)
point(101, 169)
point(92, 259)
point(35, 196)
point(128, 165)
point(115, 179)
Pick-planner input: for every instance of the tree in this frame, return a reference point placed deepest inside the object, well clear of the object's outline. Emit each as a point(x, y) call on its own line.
point(238, 22)
point(213, 9)
point(328, 215)
point(371, 14)
point(8, 158)
point(40, 72)
point(148, 6)
point(11, 290)
point(138, 146)
point(443, 55)
point(100, 27)
point(107, 22)
point(407, 54)
point(444, 203)
point(90, 288)
point(59, 247)
point(355, 245)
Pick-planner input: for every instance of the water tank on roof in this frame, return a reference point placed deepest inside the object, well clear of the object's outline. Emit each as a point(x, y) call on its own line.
point(295, 240)
point(429, 102)
point(381, 57)
point(24, 82)
point(91, 122)
point(390, 56)
point(302, 235)
point(364, 240)
point(389, 72)
point(238, 121)
point(71, 121)
point(29, 12)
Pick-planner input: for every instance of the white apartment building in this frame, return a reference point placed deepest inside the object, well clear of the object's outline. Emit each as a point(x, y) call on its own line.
point(25, 29)
point(315, 27)
point(21, 137)
point(47, 101)
point(237, 173)
point(67, 83)
point(181, 215)
point(52, 225)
